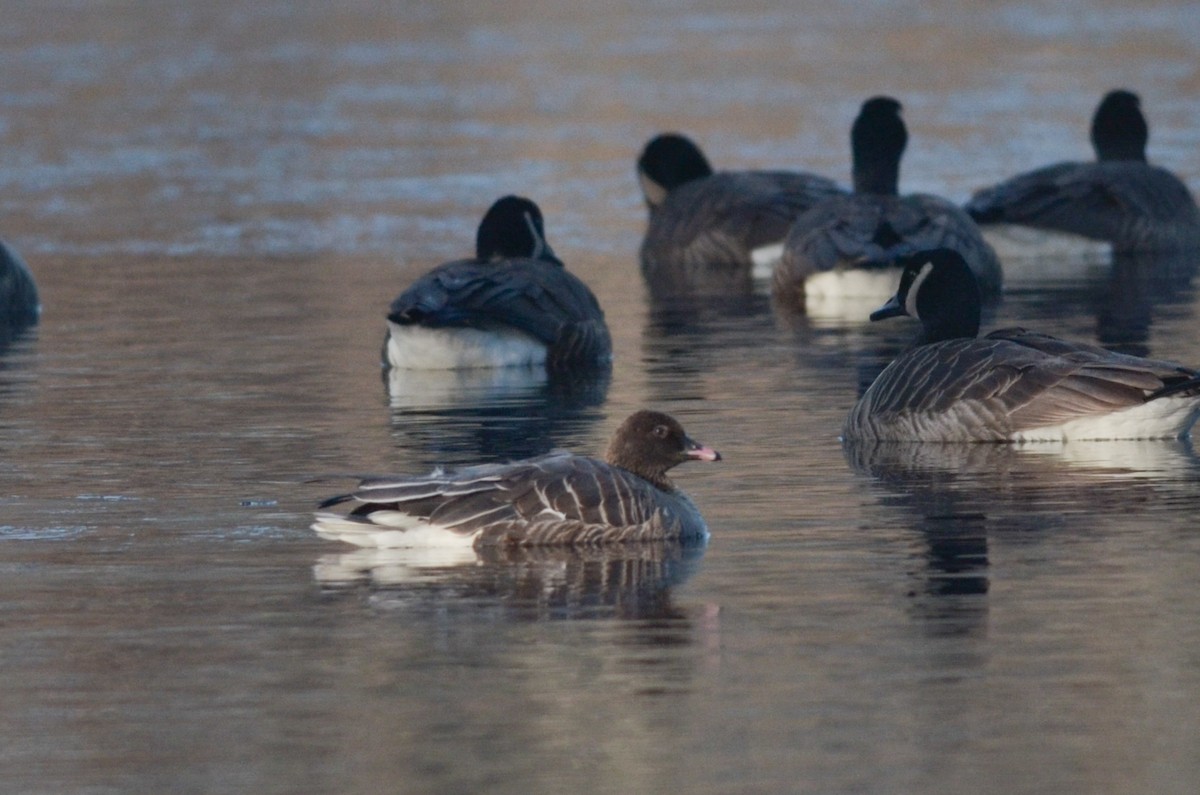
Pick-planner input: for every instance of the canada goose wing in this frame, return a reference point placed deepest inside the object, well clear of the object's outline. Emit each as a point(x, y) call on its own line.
point(1095, 200)
point(1013, 380)
point(1072, 380)
point(534, 296)
point(722, 218)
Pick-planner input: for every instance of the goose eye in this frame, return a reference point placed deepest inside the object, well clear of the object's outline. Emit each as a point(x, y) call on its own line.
point(661, 431)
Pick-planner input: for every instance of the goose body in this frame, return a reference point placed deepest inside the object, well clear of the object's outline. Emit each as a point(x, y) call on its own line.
point(1012, 385)
point(513, 304)
point(1120, 198)
point(555, 499)
point(845, 246)
point(19, 304)
point(705, 225)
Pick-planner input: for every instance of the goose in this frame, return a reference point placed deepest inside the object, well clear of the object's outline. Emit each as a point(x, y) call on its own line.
point(845, 246)
point(19, 305)
point(558, 498)
point(1012, 385)
point(1120, 198)
point(513, 304)
point(716, 226)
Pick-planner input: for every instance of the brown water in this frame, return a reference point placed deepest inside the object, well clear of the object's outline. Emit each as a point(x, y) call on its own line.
point(220, 199)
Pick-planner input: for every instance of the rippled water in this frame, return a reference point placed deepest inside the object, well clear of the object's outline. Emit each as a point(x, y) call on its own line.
point(218, 201)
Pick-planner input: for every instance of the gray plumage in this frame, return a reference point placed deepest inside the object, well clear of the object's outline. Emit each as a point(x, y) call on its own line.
point(954, 387)
point(559, 498)
point(868, 228)
point(704, 225)
point(1120, 198)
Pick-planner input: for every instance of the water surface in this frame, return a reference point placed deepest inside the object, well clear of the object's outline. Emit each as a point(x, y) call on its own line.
point(220, 200)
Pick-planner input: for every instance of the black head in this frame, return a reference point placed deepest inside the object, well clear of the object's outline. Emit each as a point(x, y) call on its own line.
point(512, 228)
point(1119, 130)
point(877, 141)
point(938, 288)
point(649, 443)
point(668, 161)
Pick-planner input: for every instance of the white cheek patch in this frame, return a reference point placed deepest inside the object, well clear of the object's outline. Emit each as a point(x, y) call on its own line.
point(910, 300)
point(539, 245)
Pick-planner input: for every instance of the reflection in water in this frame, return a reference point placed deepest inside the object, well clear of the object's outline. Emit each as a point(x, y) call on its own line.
point(1123, 294)
point(527, 583)
point(958, 494)
point(1139, 284)
point(491, 414)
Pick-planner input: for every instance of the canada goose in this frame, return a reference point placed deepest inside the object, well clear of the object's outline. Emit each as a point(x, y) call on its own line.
point(845, 246)
point(513, 304)
point(559, 498)
point(716, 228)
point(1011, 385)
point(1120, 198)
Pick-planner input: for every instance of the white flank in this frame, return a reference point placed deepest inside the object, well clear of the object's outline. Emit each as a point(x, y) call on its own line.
point(1064, 254)
point(1165, 418)
point(390, 530)
point(420, 348)
point(765, 258)
point(849, 295)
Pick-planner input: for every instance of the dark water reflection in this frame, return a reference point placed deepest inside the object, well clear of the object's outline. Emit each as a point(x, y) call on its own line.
point(219, 200)
point(626, 582)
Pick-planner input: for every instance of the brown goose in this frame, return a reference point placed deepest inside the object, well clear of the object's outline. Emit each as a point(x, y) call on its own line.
point(715, 227)
point(1120, 198)
point(1012, 385)
point(559, 498)
point(845, 246)
point(514, 304)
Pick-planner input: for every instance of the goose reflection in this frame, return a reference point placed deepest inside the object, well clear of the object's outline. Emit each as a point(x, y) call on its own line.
point(1140, 284)
point(1123, 292)
point(492, 414)
point(958, 497)
point(631, 581)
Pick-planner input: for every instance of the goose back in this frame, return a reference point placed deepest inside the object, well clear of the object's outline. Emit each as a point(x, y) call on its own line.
point(845, 235)
point(513, 303)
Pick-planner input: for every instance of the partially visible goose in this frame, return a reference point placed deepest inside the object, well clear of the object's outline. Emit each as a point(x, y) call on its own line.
point(558, 498)
point(1012, 385)
point(845, 246)
point(706, 223)
point(1120, 198)
point(19, 305)
point(513, 304)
